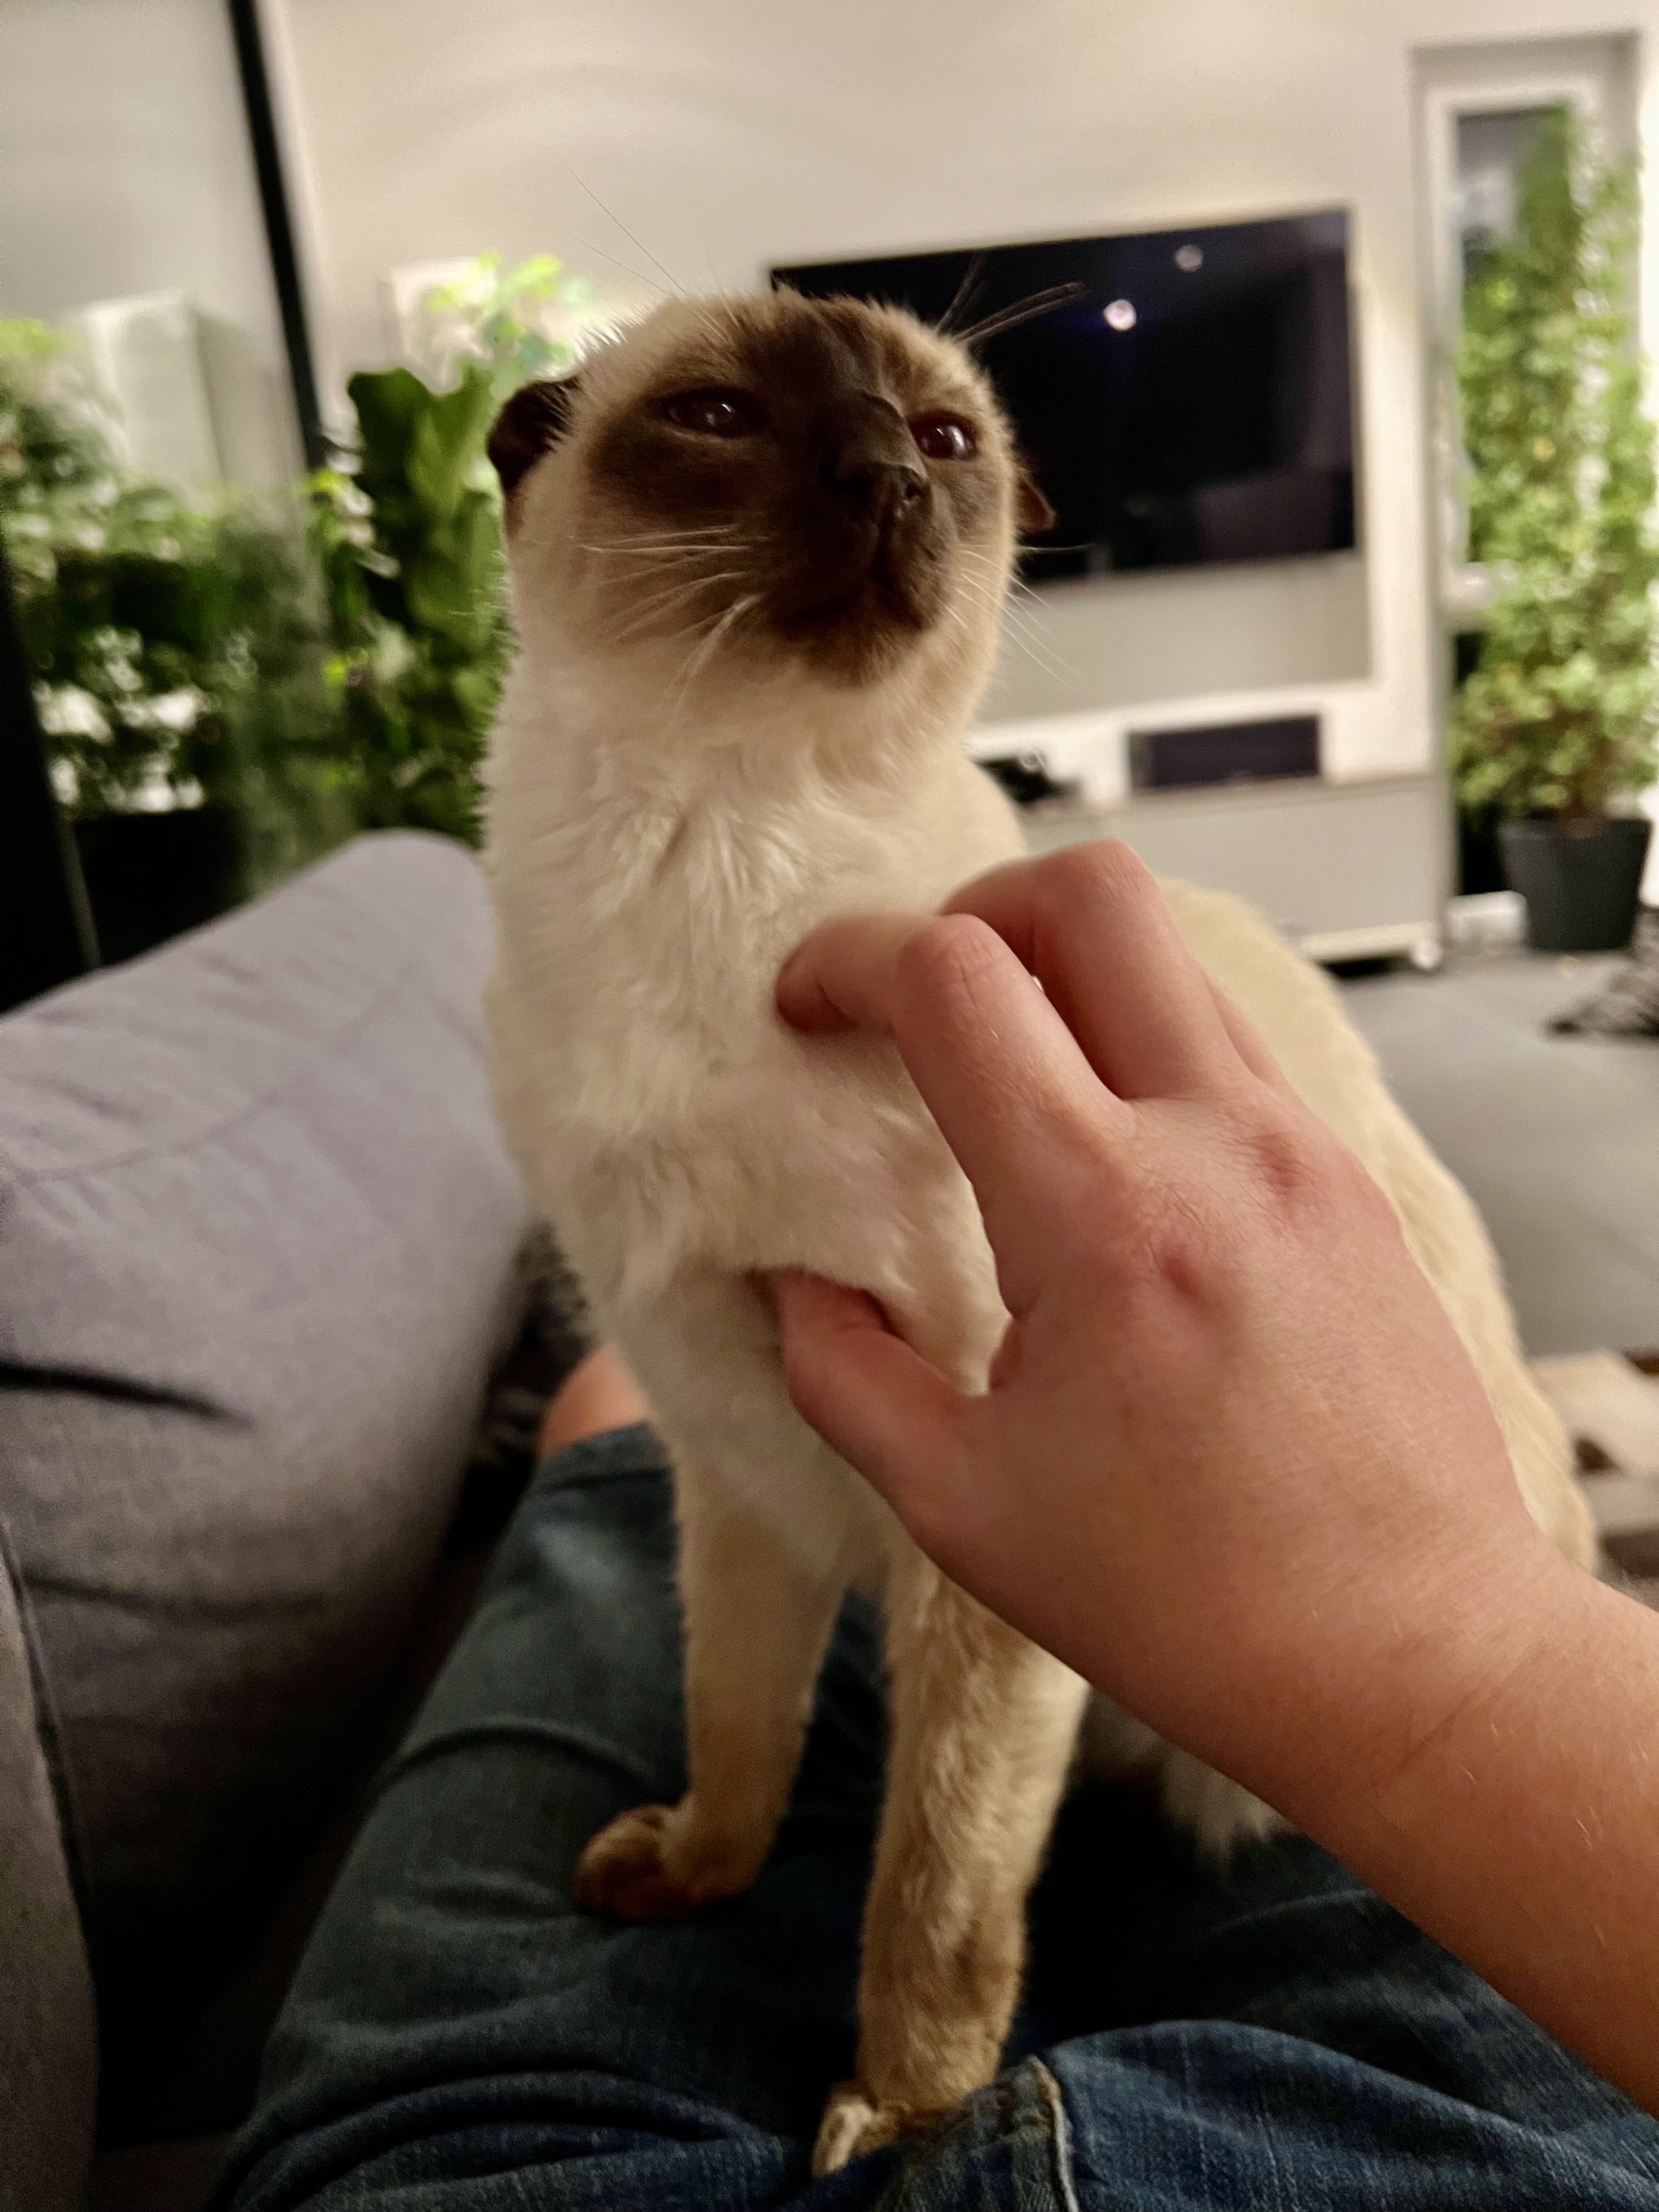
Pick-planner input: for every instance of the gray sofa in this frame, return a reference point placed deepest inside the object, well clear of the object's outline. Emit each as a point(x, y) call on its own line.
point(260, 1248)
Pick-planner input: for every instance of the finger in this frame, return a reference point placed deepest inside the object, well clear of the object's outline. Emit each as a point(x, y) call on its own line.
point(841, 978)
point(1247, 1039)
point(1036, 1133)
point(1092, 926)
point(868, 1395)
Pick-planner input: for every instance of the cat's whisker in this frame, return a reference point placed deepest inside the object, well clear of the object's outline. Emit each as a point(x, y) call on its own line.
point(1034, 615)
point(679, 587)
point(698, 536)
point(1049, 668)
point(987, 592)
point(721, 550)
point(642, 545)
point(1023, 310)
point(617, 262)
point(689, 569)
point(660, 606)
point(705, 652)
point(1013, 606)
point(998, 583)
point(664, 608)
point(675, 537)
point(611, 215)
point(991, 594)
point(652, 629)
point(1019, 621)
point(1007, 575)
point(965, 295)
point(1035, 650)
point(640, 565)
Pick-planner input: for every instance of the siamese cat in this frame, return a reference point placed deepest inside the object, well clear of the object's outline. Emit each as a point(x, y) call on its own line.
point(759, 550)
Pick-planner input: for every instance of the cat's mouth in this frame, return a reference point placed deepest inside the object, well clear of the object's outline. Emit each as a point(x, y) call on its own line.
point(872, 598)
point(866, 615)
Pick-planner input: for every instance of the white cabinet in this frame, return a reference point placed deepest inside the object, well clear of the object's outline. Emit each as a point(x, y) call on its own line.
point(1348, 871)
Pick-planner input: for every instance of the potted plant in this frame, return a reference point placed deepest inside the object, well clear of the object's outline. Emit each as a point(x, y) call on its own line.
point(407, 528)
point(177, 652)
point(1555, 729)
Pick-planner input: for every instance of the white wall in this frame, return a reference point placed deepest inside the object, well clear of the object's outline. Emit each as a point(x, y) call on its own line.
point(729, 134)
point(125, 168)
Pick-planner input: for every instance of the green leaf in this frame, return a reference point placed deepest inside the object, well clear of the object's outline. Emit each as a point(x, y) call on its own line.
point(1563, 710)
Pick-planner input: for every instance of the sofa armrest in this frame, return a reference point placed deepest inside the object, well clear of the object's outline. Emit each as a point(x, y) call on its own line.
point(257, 1235)
point(47, 2055)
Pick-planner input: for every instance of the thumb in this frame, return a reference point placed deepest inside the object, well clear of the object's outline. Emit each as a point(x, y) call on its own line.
point(869, 1395)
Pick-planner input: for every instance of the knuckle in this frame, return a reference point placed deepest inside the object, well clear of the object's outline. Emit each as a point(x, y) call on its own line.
point(1285, 1158)
point(1182, 1253)
point(945, 955)
point(1158, 1239)
point(1105, 872)
point(1299, 1166)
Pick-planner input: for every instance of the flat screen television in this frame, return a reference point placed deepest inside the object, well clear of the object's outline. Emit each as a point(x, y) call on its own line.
point(1190, 402)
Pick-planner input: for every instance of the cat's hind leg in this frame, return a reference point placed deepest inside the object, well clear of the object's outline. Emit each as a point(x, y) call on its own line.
point(983, 1723)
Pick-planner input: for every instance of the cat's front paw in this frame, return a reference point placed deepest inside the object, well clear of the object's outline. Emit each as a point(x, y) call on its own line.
point(623, 1872)
point(661, 1861)
point(851, 2125)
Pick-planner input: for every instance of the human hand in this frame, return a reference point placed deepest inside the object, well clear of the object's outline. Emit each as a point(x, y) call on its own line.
point(1233, 1464)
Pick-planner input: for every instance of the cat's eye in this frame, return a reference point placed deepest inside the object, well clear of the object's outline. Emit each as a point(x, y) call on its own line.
point(714, 412)
point(944, 437)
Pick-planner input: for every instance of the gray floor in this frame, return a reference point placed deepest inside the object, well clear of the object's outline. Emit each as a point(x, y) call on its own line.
point(1556, 1138)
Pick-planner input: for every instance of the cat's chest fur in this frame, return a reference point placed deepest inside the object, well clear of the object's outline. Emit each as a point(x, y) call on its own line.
point(664, 1113)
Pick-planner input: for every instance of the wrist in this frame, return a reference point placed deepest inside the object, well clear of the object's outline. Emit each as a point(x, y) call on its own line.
point(1425, 1656)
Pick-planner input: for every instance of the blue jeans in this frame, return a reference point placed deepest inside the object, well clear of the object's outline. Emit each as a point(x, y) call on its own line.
point(1269, 2035)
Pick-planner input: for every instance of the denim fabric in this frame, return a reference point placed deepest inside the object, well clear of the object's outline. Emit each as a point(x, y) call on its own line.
point(459, 2039)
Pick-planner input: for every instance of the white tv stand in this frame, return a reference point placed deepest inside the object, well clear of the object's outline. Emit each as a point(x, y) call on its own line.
point(1348, 871)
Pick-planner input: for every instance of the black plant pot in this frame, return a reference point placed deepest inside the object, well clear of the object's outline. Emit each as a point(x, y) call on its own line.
point(1480, 863)
point(1581, 879)
point(150, 876)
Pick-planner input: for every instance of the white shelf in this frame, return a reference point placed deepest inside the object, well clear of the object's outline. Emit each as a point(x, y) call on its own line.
point(1361, 735)
point(1351, 870)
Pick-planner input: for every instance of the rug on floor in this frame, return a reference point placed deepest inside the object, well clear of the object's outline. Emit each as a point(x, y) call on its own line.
point(1609, 1401)
point(1627, 1004)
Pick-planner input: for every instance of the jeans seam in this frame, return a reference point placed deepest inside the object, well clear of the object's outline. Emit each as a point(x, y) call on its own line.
point(1059, 2137)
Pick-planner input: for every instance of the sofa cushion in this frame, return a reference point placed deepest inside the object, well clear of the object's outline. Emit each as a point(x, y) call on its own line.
point(46, 1996)
point(257, 1235)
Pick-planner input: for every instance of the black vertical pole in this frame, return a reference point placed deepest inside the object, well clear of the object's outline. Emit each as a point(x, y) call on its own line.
point(279, 223)
point(46, 926)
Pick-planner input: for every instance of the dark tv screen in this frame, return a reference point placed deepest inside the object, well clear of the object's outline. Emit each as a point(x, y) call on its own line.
point(1189, 404)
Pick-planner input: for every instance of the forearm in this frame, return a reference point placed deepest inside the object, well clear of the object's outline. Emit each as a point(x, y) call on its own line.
point(1523, 1833)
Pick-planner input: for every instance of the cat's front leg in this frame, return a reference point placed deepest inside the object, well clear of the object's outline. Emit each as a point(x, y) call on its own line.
point(756, 1622)
point(983, 1724)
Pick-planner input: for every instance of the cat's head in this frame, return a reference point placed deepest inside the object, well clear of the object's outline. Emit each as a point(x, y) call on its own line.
point(768, 482)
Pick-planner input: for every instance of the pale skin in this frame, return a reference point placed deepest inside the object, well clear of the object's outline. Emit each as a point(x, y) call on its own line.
point(1231, 1438)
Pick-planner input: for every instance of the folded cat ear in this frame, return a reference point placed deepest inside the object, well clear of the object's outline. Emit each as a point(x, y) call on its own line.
point(532, 422)
point(1032, 512)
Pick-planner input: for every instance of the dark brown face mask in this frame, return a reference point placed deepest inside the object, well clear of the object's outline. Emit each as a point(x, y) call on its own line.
point(819, 490)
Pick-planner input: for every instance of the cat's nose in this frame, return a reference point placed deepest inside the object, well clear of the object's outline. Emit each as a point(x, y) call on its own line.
point(875, 465)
